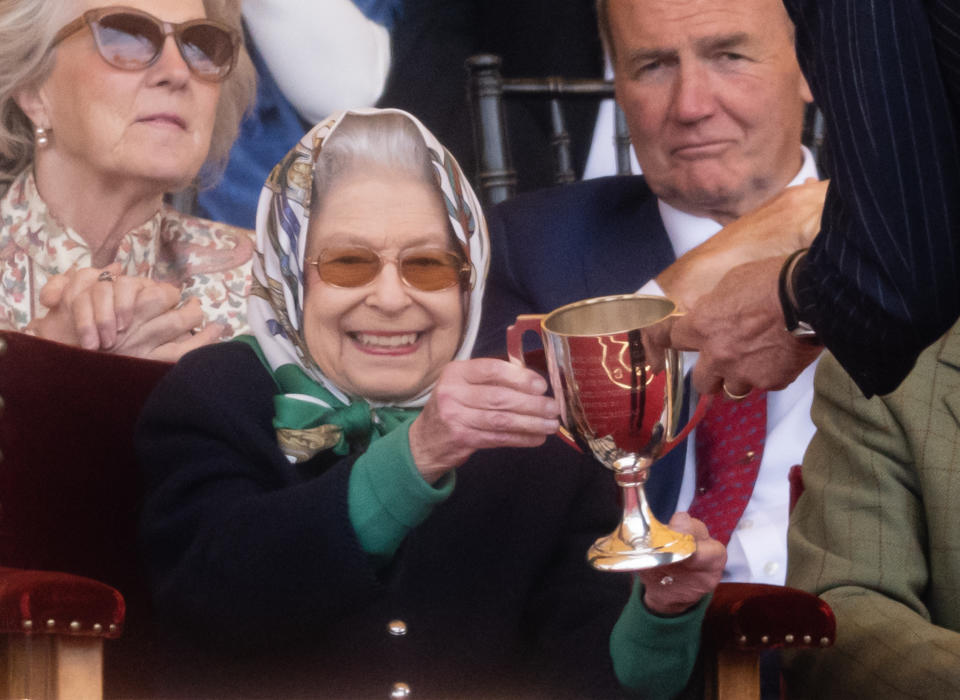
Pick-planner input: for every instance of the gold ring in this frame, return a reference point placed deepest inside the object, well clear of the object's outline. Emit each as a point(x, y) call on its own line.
point(735, 397)
point(106, 276)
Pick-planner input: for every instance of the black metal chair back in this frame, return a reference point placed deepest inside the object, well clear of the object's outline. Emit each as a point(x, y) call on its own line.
point(496, 177)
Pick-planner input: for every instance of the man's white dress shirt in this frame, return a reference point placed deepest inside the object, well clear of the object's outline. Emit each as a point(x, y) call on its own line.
point(757, 551)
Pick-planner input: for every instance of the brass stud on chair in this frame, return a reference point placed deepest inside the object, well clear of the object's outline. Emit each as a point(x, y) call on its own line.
point(97, 627)
point(74, 626)
point(742, 639)
point(765, 639)
point(113, 628)
point(51, 623)
point(3, 345)
point(788, 638)
point(807, 639)
point(824, 641)
point(27, 625)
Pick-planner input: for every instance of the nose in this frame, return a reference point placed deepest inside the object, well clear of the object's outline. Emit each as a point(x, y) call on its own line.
point(693, 96)
point(170, 68)
point(388, 293)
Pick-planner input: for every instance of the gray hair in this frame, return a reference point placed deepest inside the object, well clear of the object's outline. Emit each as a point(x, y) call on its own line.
point(27, 30)
point(379, 141)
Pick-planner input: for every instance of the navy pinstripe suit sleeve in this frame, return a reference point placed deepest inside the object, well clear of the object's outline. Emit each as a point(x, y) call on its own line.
point(881, 280)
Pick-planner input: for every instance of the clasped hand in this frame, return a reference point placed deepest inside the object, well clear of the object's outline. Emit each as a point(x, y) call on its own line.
point(477, 404)
point(133, 316)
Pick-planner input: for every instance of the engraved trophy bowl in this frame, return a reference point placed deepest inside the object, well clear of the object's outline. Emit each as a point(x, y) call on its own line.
point(621, 398)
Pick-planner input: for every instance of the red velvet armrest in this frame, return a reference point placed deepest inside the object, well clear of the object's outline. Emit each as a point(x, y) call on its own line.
point(757, 616)
point(50, 602)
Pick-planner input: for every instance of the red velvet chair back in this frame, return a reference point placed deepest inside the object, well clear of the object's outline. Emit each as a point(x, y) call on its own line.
point(69, 483)
point(70, 489)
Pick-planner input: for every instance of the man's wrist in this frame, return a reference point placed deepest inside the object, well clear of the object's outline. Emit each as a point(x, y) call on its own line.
point(788, 301)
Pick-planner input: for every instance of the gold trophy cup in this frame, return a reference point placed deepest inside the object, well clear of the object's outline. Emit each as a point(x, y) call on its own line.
point(622, 399)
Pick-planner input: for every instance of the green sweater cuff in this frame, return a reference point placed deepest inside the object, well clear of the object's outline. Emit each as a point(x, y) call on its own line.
point(387, 497)
point(655, 655)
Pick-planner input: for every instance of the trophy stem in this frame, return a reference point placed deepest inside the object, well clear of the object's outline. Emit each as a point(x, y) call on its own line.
point(640, 540)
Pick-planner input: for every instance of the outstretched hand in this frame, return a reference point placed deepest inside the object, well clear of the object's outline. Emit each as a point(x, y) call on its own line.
point(477, 404)
point(675, 588)
point(787, 222)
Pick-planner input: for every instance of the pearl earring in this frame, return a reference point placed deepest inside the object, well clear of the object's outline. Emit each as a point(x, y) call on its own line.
point(42, 139)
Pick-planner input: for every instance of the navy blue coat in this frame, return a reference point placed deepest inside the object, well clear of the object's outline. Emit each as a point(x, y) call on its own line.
point(258, 577)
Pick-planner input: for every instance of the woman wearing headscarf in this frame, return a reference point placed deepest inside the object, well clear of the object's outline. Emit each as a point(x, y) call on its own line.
point(103, 110)
point(325, 513)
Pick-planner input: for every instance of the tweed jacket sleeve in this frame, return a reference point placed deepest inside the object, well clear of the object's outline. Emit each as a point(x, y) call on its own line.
point(881, 280)
point(876, 533)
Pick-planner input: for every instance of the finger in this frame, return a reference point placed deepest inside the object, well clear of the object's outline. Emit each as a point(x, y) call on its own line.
point(503, 423)
point(684, 522)
point(171, 352)
point(506, 400)
point(84, 321)
point(173, 323)
point(104, 315)
point(683, 334)
point(704, 380)
point(158, 298)
point(485, 370)
point(125, 291)
point(52, 291)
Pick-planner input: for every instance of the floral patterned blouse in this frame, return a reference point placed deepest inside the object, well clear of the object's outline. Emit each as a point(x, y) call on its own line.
point(205, 259)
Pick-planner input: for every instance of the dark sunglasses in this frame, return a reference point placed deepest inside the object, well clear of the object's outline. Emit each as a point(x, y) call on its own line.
point(130, 39)
point(426, 269)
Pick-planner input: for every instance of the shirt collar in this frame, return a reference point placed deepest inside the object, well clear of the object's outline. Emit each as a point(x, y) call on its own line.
point(687, 231)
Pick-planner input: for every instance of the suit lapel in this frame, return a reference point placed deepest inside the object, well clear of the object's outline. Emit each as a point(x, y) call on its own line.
point(949, 356)
point(630, 250)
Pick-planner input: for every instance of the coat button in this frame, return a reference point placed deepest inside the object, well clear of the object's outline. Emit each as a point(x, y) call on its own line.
point(400, 690)
point(397, 628)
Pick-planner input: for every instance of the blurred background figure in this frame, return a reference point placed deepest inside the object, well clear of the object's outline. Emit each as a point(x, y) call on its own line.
point(312, 59)
point(103, 113)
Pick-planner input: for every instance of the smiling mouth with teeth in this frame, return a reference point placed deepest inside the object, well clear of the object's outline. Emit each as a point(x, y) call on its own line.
point(385, 341)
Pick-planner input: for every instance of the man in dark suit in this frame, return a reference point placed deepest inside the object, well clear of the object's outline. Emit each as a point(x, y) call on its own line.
point(714, 99)
point(882, 279)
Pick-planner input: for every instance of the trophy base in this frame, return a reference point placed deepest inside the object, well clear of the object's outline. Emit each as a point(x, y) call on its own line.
point(613, 553)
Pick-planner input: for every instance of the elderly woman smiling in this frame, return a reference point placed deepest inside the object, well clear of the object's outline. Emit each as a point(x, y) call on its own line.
point(105, 109)
point(326, 515)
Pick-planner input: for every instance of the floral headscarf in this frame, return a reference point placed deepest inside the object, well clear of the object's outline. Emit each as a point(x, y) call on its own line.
point(324, 415)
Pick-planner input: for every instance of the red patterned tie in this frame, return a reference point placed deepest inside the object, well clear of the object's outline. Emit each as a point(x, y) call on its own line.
point(729, 446)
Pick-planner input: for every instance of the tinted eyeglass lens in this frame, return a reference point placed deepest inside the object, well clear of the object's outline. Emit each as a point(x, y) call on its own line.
point(349, 267)
point(429, 270)
point(208, 49)
point(128, 41)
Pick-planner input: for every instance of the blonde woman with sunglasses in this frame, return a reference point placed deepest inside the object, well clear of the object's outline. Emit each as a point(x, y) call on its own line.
point(346, 505)
point(106, 108)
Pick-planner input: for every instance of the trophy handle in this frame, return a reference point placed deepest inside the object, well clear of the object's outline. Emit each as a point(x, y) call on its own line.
point(524, 323)
point(702, 405)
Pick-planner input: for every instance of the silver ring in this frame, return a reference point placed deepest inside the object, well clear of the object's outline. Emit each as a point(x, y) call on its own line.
point(106, 276)
point(735, 397)
point(666, 580)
